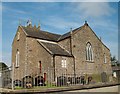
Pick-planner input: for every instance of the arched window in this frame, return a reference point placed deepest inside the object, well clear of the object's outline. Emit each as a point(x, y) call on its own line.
point(18, 36)
point(89, 52)
point(105, 61)
point(17, 58)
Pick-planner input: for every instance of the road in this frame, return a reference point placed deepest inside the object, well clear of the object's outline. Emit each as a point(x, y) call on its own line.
point(104, 89)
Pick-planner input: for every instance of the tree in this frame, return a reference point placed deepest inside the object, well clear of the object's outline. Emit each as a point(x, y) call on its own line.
point(114, 61)
point(3, 66)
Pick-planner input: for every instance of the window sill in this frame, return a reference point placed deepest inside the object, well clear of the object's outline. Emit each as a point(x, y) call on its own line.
point(89, 61)
point(17, 67)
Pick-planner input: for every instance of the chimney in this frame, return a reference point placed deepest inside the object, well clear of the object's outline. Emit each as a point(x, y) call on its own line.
point(38, 28)
point(34, 26)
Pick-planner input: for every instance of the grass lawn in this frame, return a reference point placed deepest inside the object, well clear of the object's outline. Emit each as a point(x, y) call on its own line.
point(39, 87)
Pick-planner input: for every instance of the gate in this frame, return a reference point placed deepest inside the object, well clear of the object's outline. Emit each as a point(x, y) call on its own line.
point(61, 81)
point(104, 77)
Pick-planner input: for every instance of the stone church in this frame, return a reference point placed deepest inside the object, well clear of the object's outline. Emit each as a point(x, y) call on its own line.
point(76, 53)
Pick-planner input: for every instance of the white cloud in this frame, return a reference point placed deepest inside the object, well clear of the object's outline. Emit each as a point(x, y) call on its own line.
point(60, 23)
point(94, 9)
point(6, 8)
point(107, 26)
point(97, 13)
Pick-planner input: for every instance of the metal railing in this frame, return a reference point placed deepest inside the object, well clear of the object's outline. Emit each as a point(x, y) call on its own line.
point(5, 77)
point(48, 79)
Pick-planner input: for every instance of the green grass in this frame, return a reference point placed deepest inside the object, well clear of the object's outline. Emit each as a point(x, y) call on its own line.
point(96, 77)
point(48, 85)
point(38, 87)
point(18, 87)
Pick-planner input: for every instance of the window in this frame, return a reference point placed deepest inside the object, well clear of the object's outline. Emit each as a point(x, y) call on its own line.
point(64, 65)
point(18, 36)
point(114, 74)
point(17, 58)
point(40, 66)
point(105, 58)
point(89, 52)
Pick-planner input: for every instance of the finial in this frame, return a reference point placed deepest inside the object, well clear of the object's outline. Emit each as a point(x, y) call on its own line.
point(29, 23)
point(71, 30)
point(86, 23)
point(38, 25)
point(34, 26)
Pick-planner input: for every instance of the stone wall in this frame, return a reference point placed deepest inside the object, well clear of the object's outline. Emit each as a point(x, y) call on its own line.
point(36, 54)
point(79, 39)
point(66, 44)
point(68, 70)
point(31, 53)
point(20, 45)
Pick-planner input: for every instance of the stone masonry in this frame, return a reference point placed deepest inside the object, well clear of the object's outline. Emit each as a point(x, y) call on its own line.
point(40, 47)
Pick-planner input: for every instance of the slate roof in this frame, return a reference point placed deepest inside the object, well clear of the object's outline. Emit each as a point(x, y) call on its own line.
point(32, 32)
point(116, 68)
point(66, 35)
point(54, 49)
point(40, 34)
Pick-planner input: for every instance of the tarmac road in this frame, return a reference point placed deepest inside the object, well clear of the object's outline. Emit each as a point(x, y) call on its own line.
point(104, 89)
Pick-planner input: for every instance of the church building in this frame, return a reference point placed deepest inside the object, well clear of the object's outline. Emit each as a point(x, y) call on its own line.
point(40, 54)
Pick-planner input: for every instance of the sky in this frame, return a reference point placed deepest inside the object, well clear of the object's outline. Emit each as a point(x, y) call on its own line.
point(59, 17)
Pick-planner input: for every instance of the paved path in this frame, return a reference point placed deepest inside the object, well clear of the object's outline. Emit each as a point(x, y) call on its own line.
point(5, 90)
point(104, 89)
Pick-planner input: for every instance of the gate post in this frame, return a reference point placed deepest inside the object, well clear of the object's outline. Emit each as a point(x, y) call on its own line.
point(12, 76)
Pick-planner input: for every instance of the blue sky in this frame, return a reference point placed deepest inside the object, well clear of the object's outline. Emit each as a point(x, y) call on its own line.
point(59, 17)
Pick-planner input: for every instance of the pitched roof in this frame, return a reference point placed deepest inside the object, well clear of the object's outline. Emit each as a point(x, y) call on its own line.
point(68, 34)
point(115, 68)
point(40, 34)
point(54, 49)
point(32, 32)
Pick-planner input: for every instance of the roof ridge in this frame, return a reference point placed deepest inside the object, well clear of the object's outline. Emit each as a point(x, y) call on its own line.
point(68, 34)
point(64, 48)
point(41, 30)
point(54, 48)
point(40, 34)
point(45, 47)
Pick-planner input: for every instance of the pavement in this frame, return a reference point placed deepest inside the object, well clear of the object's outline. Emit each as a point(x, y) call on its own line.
point(5, 90)
point(80, 88)
point(103, 89)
